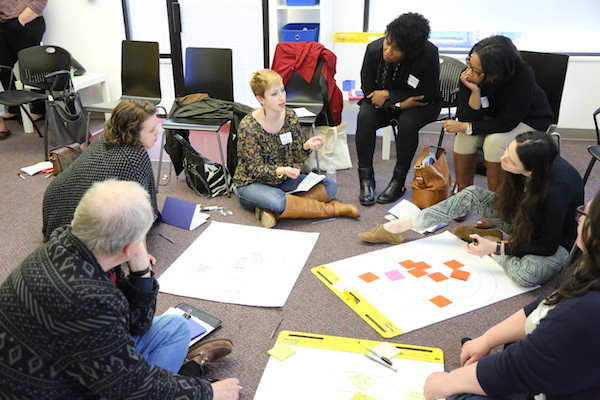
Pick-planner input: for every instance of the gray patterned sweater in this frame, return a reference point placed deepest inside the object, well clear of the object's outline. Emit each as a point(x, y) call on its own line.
point(97, 163)
point(65, 331)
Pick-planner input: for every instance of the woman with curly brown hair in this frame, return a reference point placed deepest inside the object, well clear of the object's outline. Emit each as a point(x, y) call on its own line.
point(535, 205)
point(120, 152)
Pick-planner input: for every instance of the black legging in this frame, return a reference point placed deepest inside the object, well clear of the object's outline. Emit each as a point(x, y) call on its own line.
point(13, 38)
point(409, 122)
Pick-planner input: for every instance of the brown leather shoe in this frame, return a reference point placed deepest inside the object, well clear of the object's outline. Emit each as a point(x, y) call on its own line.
point(464, 231)
point(380, 235)
point(207, 351)
point(483, 223)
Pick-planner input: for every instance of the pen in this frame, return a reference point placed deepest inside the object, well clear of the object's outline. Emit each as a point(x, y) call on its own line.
point(166, 238)
point(21, 176)
point(380, 362)
point(323, 220)
point(376, 354)
point(276, 327)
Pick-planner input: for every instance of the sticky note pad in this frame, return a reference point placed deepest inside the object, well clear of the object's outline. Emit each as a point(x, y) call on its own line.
point(362, 396)
point(454, 264)
point(281, 352)
point(362, 381)
point(369, 277)
point(438, 277)
point(440, 301)
point(417, 272)
point(415, 395)
point(422, 265)
point(394, 275)
point(408, 264)
point(459, 274)
point(387, 350)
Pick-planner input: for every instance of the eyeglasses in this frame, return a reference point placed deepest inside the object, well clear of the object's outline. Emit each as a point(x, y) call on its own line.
point(476, 72)
point(580, 212)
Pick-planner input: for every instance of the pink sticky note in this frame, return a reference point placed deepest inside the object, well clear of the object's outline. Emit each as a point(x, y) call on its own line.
point(394, 275)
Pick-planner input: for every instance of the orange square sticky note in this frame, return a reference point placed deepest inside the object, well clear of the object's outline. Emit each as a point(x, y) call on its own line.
point(440, 301)
point(417, 273)
point(369, 277)
point(422, 265)
point(454, 264)
point(438, 277)
point(408, 264)
point(460, 274)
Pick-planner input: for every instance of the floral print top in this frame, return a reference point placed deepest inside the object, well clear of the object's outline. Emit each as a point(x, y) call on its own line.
point(260, 153)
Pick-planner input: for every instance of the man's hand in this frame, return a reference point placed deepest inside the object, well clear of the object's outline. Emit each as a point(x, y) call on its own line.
point(227, 389)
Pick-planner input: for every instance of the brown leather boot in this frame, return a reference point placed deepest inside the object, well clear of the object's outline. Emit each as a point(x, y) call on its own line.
point(495, 175)
point(464, 168)
point(267, 218)
point(301, 207)
point(318, 193)
point(207, 351)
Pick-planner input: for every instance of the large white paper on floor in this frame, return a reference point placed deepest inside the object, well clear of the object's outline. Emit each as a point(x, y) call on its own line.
point(240, 264)
point(412, 302)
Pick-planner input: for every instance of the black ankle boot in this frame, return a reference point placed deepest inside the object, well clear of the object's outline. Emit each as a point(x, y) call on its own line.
point(367, 186)
point(392, 192)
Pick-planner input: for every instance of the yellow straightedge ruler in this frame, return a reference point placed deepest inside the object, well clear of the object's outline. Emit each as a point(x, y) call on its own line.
point(359, 305)
point(338, 343)
point(357, 37)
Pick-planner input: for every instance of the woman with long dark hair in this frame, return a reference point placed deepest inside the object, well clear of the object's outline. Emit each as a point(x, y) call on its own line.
point(555, 343)
point(535, 206)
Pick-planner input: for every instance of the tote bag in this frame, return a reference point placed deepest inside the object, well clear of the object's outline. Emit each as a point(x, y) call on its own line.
point(335, 149)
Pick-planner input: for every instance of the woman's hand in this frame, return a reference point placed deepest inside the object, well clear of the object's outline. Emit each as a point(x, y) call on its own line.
point(464, 78)
point(480, 246)
point(434, 386)
point(290, 172)
point(474, 350)
point(314, 143)
point(453, 126)
point(378, 97)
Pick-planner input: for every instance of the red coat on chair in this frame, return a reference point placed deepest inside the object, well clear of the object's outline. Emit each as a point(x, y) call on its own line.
point(302, 57)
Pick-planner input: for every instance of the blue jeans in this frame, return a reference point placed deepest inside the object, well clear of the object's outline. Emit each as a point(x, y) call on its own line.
point(166, 343)
point(272, 197)
point(526, 271)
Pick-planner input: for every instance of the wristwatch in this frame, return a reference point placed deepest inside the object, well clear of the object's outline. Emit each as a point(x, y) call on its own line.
point(139, 274)
point(397, 105)
point(498, 248)
point(469, 130)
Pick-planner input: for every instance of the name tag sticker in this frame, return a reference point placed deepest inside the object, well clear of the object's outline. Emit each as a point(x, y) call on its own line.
point(413, 81)
point(286, 138)
point(485, 103)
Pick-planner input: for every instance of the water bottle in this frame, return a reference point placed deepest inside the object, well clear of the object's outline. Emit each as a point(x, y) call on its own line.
point(331, 171)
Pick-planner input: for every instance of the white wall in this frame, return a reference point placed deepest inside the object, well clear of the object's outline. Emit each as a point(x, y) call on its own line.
point(92, 31)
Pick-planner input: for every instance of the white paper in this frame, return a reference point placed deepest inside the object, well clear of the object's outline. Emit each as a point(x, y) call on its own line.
point(303, 112)
point(240, 264)
point(404, 209)
point(35, 168)
point(406, 300)
point(309, 182)
point(199, 218)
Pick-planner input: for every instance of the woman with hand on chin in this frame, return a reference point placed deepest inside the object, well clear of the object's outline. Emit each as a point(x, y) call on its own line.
point(555, 344)
point(498, 99)
point(535, 205)
point(271, 149)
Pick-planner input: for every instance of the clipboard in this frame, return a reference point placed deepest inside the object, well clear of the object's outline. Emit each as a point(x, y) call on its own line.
point(330, 362)
point(359, 305)
point(202, 323)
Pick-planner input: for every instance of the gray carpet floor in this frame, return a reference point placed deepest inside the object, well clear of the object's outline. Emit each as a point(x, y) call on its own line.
point(311, 307)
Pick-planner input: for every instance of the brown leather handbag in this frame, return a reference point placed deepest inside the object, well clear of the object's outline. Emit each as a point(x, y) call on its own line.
point(63, 156)
point(432, 182)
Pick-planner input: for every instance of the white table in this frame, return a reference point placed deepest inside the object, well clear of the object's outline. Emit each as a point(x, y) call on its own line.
point(84, 81)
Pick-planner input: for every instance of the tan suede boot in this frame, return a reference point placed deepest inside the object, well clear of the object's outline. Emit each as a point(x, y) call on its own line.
point(318, 193)
point(380, 235)
point(464, 169)
point(463, 232)
point(301, 207)
point(495, 175)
